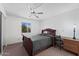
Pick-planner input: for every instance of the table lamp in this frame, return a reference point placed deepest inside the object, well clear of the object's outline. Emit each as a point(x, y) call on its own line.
point(74, 27)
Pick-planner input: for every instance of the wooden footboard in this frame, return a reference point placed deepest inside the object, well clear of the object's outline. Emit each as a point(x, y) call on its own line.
point(27, 43)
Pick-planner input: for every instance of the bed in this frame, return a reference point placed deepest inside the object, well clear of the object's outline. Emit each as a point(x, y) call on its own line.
point(39, 42)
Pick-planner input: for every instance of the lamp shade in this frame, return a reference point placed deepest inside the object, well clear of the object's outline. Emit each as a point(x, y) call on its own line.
point(74, 26)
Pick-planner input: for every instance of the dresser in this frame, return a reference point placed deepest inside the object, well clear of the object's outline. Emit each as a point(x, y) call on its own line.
point(71, 45)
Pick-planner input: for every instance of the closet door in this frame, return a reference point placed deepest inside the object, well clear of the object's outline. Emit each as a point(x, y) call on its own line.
point(0, 29)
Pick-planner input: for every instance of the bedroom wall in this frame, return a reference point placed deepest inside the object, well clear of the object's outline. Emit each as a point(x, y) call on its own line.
point(63, 23)
point(12, 29)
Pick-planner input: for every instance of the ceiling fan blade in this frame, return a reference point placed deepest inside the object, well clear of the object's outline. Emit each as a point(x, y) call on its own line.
point(40, 13)
point(36, 16)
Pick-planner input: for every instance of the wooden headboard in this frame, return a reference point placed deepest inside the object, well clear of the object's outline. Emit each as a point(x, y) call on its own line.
point(50, 31)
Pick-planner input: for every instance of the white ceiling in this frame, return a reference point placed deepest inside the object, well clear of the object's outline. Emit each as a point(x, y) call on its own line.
point(49, 9)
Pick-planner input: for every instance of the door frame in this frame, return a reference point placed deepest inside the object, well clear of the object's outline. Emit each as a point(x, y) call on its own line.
point(0, 32)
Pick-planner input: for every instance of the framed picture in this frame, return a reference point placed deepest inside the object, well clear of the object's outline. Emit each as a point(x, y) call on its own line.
point(26, 27)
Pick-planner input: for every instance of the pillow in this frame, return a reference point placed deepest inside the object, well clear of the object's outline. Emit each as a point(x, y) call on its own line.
point(45, 32)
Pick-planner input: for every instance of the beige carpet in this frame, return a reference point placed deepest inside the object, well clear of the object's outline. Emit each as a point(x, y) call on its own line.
point(18, 50)
point(55, 52)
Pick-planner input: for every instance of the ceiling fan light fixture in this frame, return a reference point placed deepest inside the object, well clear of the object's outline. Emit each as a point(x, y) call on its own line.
point(33, 12)
point(36, 16)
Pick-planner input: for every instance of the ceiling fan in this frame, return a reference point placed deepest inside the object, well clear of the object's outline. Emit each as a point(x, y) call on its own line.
point(33, 12)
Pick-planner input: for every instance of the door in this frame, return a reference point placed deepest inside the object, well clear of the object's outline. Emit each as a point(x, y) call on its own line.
point(0, 30)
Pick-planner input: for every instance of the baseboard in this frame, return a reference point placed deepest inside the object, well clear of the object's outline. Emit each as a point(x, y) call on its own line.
point(11, 44)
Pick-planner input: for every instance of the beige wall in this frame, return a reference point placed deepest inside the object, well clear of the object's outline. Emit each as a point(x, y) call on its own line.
point(12, 29)
point(63, 23)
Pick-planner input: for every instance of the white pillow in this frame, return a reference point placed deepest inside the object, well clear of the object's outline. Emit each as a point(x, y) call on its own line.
point(45, 32)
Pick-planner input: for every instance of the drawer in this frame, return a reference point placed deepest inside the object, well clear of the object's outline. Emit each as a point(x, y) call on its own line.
point(72, 48)
point(70, 42)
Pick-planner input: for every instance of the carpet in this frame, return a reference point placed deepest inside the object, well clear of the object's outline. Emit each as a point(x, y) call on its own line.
point(18, 50)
